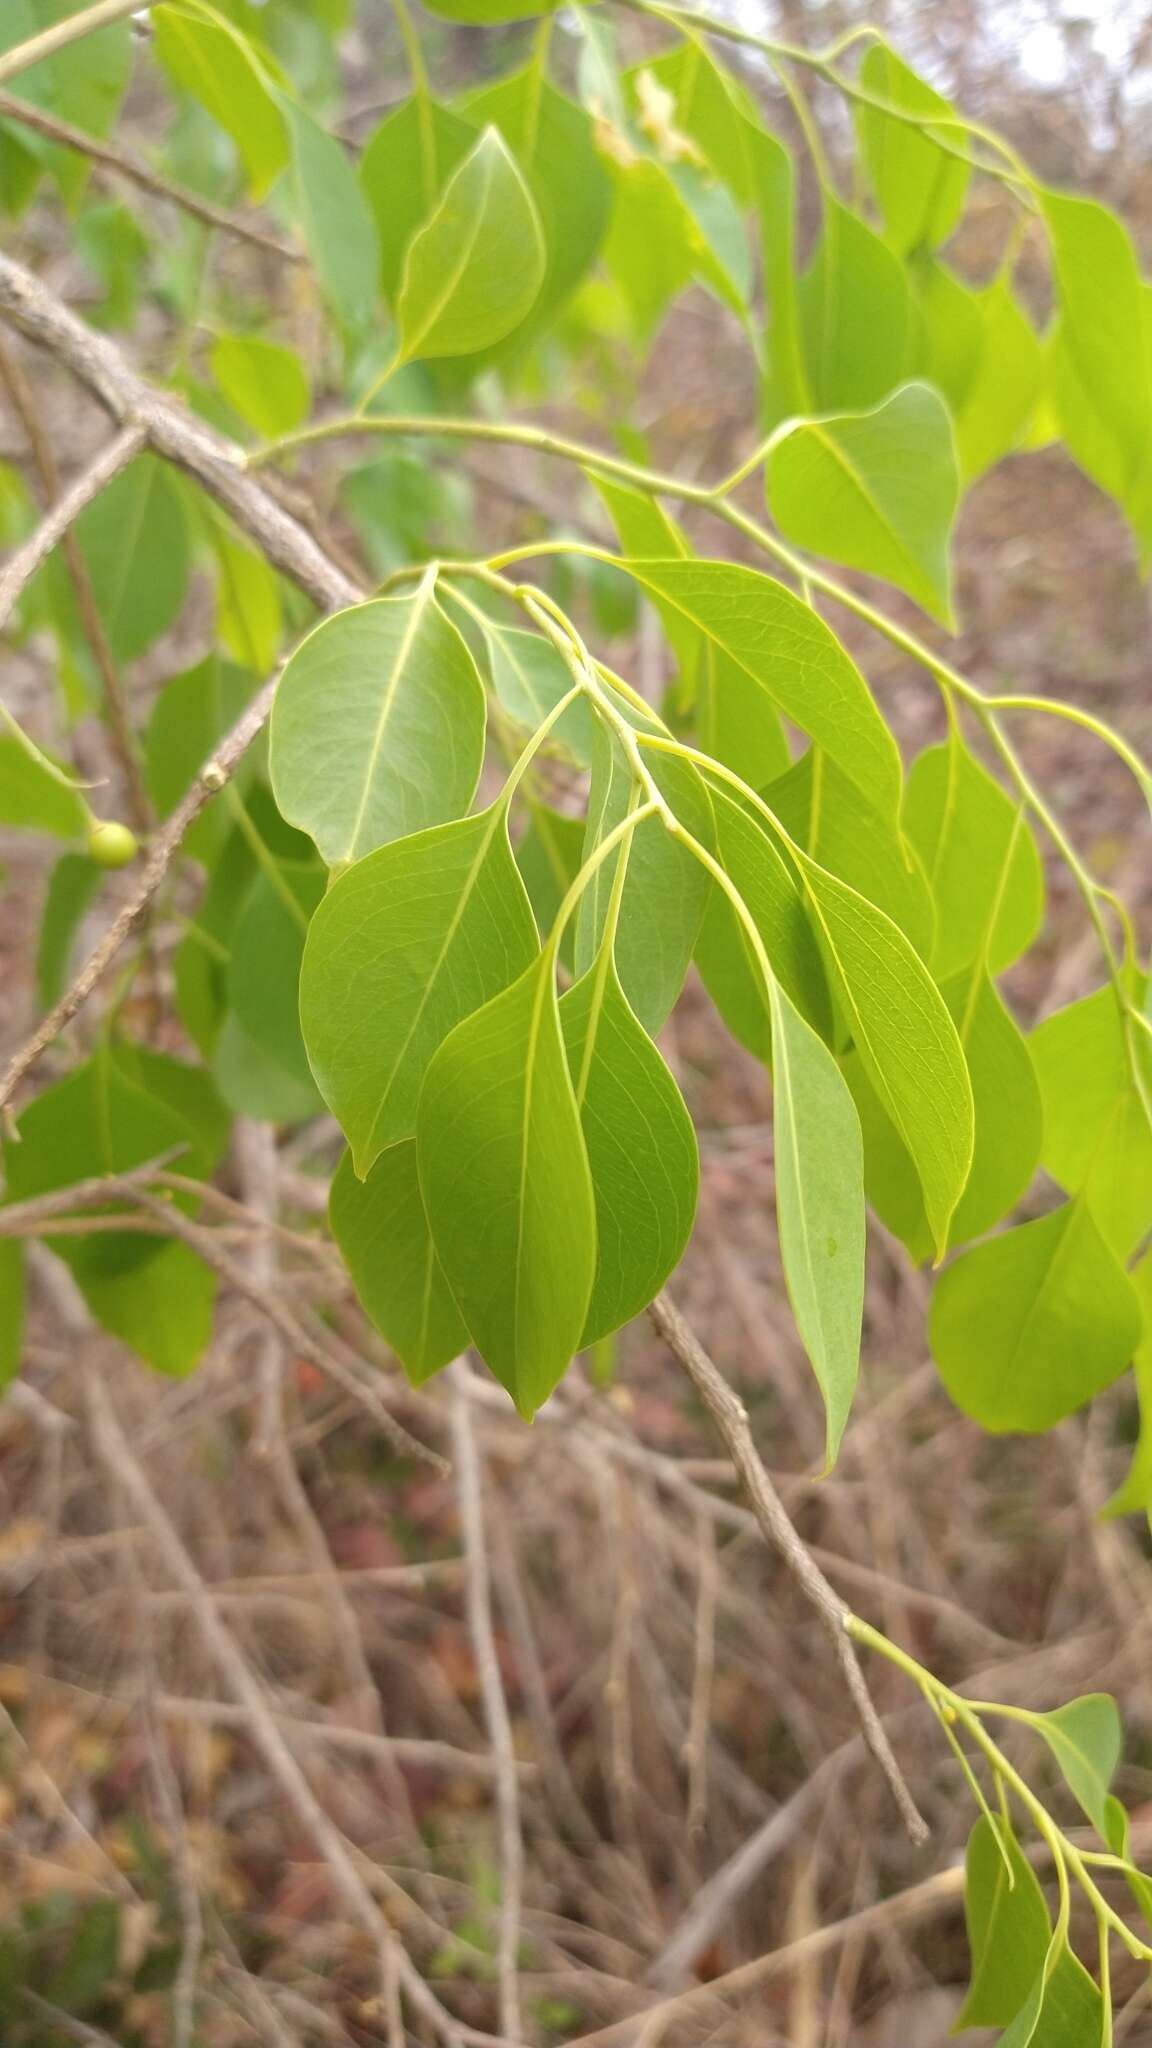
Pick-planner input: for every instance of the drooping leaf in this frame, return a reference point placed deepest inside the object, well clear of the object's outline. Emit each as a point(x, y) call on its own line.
point(791, 655)
point(334, 219)
point(1096, 1132)
point(73, 883)
point(530, 677)
point(406, 944)
point(1008, 1925)
point(1085, 1738)
point(135, 544)
point(855, 316)
point(964, 827)
point(378, 726)
point(819, 1206)
point(383, 1235)
point(1028, 1326)
point(773, 895)
point(665, 889)
point(904, 1036)
point(833, 821)
point(920, 189)
point(474, 270)
point(876, 491)
point(506, 1186)
point(264, 382)
point(215, 63)
point(549, 857)
point(641, 1148)
point(1006, 387)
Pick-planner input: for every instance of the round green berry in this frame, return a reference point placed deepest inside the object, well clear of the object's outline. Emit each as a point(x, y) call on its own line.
point(110, 844)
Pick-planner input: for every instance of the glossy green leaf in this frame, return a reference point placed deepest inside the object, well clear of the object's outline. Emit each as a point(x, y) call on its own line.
point(406, 944)
point(905, 1038)
point(262, 381)
point(12, 1308)
point(1103, 307)
point(473, 271)
point(789, 653)
point(506, 1185)
point(530, 676)
point(1008, 1926)
point(35, 799)
point(965, 827)
point(833, 821)
point(1096, 1132)
point(641, 1148)
point(1085, 1738)
point(73, 883)
point(135, 544)
point(773, 895)
point(665, 889)
point(383, 1235)
point(378, 726)
point(1028, 1326)
point(920, 189)
point(334, 219)
point(855, 316)
point(404, 169)
point(217, 66)
point(819, 1206)
point(876, 491)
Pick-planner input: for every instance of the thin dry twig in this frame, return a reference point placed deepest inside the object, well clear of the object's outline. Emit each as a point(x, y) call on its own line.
point(469, 1487)
point(122, 165)
point(23, 563)
point(729, 1415)
point(36, 48)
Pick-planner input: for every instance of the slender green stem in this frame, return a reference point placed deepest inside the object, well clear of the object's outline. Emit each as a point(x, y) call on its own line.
point(36, 48)
point(596, 859)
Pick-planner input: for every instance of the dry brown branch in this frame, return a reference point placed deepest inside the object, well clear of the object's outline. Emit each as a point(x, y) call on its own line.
point(469, 1488)
point(23, 563)
point(731, 1420)
point(122, 165)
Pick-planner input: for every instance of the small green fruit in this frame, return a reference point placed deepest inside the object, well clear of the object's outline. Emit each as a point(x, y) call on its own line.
point(111, 845)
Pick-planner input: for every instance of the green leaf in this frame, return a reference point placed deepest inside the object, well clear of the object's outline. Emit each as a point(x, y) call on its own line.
point(486, 13)
point(949, 331)
point(855, 316)
point(1086, 1739)
point(833, 821)
point(641, 1148)
point(35, 799)
point(215, 64)
point(384, 1239)
point(83, 83)
point(191, 713)
point(253, 1084)
point(876, 491)
point(12, 1308)
point(1008, 1926)
point(1028, 1326)
point(1096, 1134)
point(655, 245)
point(1116, 1834)
point(1007, 1104)
point(1064, 2008)
point(530, 676)
point(770, 887)
point(263, 975)
point(403, 170)
point(135, 544)
point(789, 653)
point(378, 726)
point(919, 188)
point(904, 1036)
point(645, 529)
point(265, 383)
point(73, 883)
point(474, 270)
point(334, 218)
point(964, 827)
point(1104, 332)
point(666, 888)
point(1006, 387)
point(249, 622)
point(406, 944)
point(162, 1309)
point(819, 1206)
point(506, 1185)
point(549, 857)
point(551, 139)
